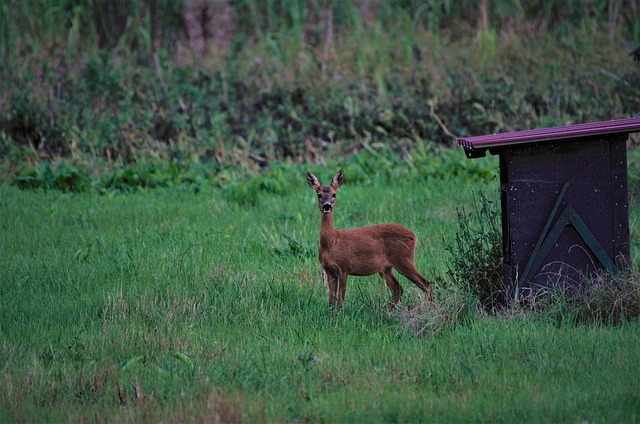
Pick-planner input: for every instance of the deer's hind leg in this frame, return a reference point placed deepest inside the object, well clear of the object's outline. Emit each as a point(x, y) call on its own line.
point(394, 286)
point(413, 275)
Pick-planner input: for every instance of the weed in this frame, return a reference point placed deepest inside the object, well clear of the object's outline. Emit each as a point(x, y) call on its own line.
point(69, 178)
point(64, 177)
point(295, 247)
point(475, 269)
point(476, 255)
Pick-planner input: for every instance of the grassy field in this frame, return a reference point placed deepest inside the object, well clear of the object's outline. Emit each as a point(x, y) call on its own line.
point(161, 263)
point(170, 305)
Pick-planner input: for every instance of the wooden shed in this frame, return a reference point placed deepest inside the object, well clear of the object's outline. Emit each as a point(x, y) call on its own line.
point(565, 211)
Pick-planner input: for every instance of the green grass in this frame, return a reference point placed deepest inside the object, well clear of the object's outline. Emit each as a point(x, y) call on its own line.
point(165, 305)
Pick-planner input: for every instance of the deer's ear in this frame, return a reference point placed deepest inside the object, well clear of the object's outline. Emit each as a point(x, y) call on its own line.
point(313, 182)
point(338, 179)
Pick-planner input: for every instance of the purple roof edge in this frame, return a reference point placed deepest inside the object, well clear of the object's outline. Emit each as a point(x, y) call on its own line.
point(590, 129)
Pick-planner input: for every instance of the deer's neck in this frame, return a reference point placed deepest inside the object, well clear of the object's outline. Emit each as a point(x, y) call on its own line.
point(327, 230)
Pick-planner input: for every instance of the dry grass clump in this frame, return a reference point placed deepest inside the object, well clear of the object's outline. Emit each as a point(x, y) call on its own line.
point(602, 299)
point(429, 318)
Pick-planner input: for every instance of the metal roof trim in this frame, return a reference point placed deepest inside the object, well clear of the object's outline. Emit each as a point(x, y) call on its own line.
point(573, 131)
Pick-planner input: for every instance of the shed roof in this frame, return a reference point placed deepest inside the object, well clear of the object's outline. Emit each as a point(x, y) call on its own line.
point(477, 146)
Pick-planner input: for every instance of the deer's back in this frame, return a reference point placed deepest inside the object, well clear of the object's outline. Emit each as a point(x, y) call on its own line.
point(390, 234)
point(368, 250)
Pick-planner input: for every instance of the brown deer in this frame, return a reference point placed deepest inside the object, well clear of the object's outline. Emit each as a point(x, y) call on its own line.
point(362, 251)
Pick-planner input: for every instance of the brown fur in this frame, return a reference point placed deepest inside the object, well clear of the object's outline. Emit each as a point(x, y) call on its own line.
point(362, 251)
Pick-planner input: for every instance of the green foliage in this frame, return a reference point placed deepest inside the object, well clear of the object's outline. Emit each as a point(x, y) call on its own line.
point(476, 255)
point(154, 175)
point(64, 177)
point(295, 247)
point(71, 27)
point(427, 163)
point(475, 269)
point(69, 178)
point(296, 81)
point(139, 27)
point(161, 305)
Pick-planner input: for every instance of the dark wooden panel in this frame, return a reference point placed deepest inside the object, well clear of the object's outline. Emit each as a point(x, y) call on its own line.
point(532, 178)
point(620, 198)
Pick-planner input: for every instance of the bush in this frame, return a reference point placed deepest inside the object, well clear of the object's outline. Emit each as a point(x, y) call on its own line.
point(64, 177)
point(476, 255)
point(69, 178)
point(297, 86)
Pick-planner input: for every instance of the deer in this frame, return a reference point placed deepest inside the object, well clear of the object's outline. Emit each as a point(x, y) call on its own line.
point(363, 251)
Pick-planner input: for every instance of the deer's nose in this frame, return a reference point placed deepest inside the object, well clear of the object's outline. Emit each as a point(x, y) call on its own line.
point(326, 207)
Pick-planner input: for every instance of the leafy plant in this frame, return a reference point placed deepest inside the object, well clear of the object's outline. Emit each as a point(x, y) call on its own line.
point(295, 81)
point(64, 177)
point(295, 247)
point(69, 178)
point(475, 264)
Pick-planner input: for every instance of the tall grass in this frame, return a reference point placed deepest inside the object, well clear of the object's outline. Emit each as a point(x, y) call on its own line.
point(138, 26)
point(601, 299)
point(53, 27)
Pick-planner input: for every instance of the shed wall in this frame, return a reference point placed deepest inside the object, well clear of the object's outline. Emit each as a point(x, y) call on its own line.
point(532, 178)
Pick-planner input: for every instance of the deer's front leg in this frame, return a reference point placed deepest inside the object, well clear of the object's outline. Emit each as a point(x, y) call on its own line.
point(342, 287)
point(333, 288)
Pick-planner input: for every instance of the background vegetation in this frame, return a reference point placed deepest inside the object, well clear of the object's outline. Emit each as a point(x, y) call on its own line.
point(158, 255)
point(241, 84)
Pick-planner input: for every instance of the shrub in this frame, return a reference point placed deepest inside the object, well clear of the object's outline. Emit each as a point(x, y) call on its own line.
point(69, 178)
point(476, 255)
point(63, 177)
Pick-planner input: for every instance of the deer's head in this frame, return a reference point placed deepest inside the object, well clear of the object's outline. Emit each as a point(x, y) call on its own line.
point(326, 194)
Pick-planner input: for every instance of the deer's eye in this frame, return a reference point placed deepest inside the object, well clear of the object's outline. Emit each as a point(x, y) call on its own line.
point(319, 196)
point(333, 196)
